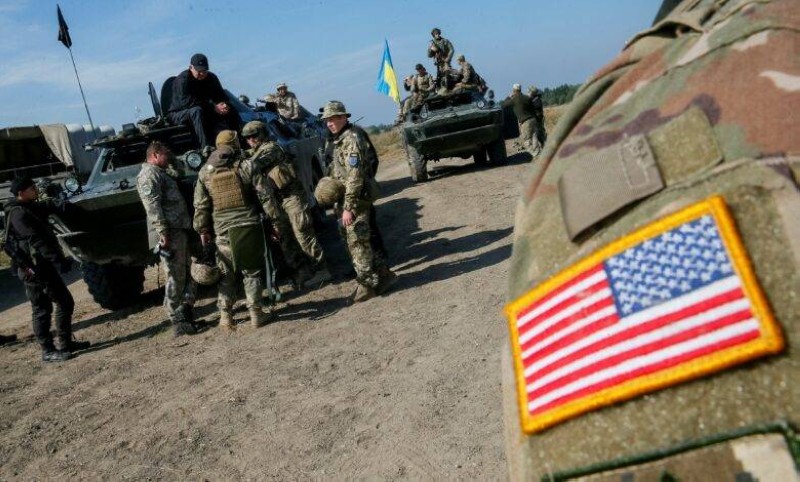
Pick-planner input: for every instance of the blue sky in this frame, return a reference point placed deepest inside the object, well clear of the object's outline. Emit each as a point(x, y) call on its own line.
point(323, 49)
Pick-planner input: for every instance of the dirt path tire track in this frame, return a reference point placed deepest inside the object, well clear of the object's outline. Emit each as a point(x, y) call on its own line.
point(405, 386)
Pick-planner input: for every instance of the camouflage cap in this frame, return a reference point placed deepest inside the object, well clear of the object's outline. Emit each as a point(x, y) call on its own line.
point(227, 138)
point(282, 85)
point(254, 128)
point(533, 90)
point(516, 87)
point(334, 108)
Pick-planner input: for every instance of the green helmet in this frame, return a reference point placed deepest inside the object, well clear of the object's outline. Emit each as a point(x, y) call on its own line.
point(334, 108)
point(329, 191)
point(254, 128)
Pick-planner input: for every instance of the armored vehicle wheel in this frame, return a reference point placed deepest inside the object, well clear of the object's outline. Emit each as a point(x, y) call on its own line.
point(497, 152)
point(479, 157)
point(416, 165)
point(113, 286)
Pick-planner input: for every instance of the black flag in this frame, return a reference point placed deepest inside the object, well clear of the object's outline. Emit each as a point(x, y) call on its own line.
point(63, 30)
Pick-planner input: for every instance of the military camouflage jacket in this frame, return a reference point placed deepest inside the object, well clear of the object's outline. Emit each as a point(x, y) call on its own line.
point(445, 48)
point(288, 106)
point(467, 73)
point(351, 166)
point(423, 84)
point(251, 181)
point(162, 200)
point(279, 173)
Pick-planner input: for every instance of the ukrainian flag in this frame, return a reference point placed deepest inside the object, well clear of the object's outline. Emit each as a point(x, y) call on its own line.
point(387, 80)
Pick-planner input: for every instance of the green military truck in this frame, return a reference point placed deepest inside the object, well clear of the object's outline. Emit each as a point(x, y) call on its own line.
point(463, 124)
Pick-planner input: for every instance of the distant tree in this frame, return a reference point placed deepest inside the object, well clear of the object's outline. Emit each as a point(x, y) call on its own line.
point(559, 95)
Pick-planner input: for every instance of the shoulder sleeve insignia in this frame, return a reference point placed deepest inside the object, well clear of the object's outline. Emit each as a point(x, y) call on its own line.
point(671, 302)
point(353, 160)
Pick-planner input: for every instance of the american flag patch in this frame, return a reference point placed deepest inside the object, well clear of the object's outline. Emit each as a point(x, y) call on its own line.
point(668, 303)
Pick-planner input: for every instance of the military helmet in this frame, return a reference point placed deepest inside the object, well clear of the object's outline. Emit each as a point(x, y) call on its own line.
point(516, 87)
point(334, 108)
point(329, 191)
point(436, 31)
point(419, 67)
point(254, 128)
point(205, 274)
point(460, 58)
point(227, 138)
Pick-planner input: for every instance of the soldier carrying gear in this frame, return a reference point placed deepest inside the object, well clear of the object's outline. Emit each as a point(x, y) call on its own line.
point(228, 138)
point(226, 212)
point(205, 269)
point(287, 208)
point(655, 318)
point(441, 50)
point(538, 110)
point(350, 167)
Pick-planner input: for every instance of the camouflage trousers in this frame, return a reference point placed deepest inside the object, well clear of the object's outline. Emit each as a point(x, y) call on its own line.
point(527, 134)
point(179, 288)
point(296, 209)
point(366, 262)
point(253, 284)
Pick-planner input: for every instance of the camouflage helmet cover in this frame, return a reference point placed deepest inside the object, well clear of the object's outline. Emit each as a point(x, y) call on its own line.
point(254, 128)
point(205, 274)
point(328, 191)
point(334, 108)
point(227, 138)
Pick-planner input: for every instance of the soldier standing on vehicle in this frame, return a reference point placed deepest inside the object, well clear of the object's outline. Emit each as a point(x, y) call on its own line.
point(37, 258)
point(441, 50)
point(538, 112)
point(290, 214)
point(168, 224)
point(199, 99)
point(526, 116)
point(350, 166)
point(226, 199)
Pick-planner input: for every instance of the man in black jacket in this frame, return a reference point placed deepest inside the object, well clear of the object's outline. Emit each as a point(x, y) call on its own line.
point(198, 98)
point(37, 259)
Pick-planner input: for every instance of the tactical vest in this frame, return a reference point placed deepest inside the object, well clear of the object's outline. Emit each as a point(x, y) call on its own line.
point(226, 189)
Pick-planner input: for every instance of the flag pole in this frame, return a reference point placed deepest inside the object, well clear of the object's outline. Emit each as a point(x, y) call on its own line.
point(85, 105)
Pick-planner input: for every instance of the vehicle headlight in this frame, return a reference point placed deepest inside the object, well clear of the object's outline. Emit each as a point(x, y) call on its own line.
point(481, 104)
point(424, 113)
point(72, 185)
point(194, 160)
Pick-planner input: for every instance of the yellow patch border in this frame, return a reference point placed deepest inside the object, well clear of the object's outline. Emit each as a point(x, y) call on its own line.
point(770, 342)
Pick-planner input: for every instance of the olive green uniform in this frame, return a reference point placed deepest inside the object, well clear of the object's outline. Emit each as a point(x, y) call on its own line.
point(526, 116)
point(220, 207)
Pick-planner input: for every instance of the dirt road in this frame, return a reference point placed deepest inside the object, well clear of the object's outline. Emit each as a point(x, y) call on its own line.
point(405, 386)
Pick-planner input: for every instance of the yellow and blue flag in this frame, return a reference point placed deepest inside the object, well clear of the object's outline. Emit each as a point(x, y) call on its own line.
point(387, 80)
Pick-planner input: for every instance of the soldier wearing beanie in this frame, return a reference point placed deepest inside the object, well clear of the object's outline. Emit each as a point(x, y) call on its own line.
point(38, 261)
point(526, 116)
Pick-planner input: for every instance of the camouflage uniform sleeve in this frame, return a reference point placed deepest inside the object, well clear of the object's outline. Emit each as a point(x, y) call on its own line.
point(355, 163)
point(149, 186)
point(202, 205)
point(295, 108)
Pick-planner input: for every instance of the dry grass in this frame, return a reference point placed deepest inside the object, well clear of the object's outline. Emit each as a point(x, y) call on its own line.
point(390, 146)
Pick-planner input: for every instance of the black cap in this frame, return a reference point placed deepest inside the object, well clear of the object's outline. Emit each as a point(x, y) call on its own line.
point(200, 62)
point(419, 67)
point(20, 184)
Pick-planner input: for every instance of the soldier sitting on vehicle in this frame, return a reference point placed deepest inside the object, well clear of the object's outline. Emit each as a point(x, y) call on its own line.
point(468, 79)
point(285, 101)
point(198, 98)
point(420, 85)
point(288, 209)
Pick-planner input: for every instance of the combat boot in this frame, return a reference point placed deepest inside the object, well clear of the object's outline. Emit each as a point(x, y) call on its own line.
point(321, 276)
point(183, 328)
point(68, 343)
point(50, 354)
point(387, 280)
point(258, 317)
point(226, 321)
point(363, 293)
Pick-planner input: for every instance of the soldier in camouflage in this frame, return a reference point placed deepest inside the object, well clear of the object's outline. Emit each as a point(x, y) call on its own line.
point(168, 224)
point(226, 203)
point(351, 167)
point(289, 212)
point(700, 106)
point(441, 50)
point(468, 79)
point(538, 112)
point(285, 101)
